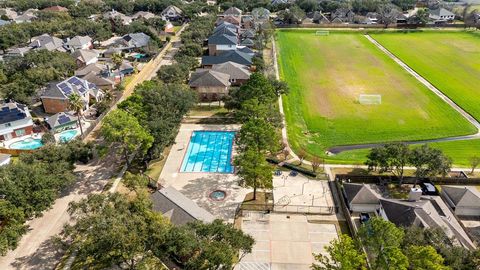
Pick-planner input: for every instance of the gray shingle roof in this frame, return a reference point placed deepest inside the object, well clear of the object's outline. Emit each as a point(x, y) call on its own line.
point(79, 41)
point(440, 12)
point(95, 68)
point(136, 40)
point(233, 11)
point(47, 42)
point(84, 55)
point(247, 42)
point(209, 78)
point(178, 208)
point(235, 56)
point(360, 194)
point(222, 39)
point(236, 71)
point(463, 195)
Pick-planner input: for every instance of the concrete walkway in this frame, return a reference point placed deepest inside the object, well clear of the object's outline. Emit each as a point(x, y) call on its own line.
point(436, 91)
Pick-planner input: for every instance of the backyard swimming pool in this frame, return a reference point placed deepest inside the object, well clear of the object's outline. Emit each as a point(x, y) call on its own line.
point(27, 144)
point(209, 151)
point(67, 135)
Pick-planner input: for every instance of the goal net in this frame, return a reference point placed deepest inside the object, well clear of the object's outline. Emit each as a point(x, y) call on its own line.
point(322, 33)
point(370, 99)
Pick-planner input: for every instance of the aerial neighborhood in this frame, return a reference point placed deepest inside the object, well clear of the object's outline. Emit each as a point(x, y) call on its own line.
point(278, 134)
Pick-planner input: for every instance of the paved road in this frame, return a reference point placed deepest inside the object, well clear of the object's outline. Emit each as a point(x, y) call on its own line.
point(36, 249)
point(436, 91)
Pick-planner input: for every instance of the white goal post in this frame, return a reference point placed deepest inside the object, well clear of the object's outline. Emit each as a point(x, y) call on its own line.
point(322, 33)
point(365, 99)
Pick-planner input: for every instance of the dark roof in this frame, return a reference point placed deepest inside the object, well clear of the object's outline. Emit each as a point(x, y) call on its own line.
point(222, 29)
point(463, 195)
point(178, 208)
point(247, 42)
point(95, 68)
point(235, 56)
point(360, 194)
point(209, 78)
point(61, 119)
point(236, 71)
point(12, 111)
point(222, 39)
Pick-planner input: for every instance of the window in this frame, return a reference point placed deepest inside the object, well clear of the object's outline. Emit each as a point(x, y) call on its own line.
point(8, 124)
point(19, 132)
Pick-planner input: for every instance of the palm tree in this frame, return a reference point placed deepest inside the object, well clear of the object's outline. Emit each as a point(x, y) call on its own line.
point(76, 104)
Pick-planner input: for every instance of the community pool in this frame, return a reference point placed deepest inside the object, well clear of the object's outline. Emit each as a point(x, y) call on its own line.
point(68, 135)
point(27, 144)
point(209, 151)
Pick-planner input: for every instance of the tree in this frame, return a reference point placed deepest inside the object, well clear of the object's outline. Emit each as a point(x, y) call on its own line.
point(257, 87)
point(425, 257)
point(280, 87)
point(13, 227)
point(48, 138)
point(382, 240)
point(110, 230)
point(254, 170)
point(387, 14)
point(474, 161)
point(316, 162)
point(76, 104)
point(254, 109)
point(343, 255)
point(258, 135)
point(135, 182)
point(117, 59)
point(429, 162)
point(302, 154)
point(172, 73)
point(390, 157)
point(421, 17)
point(121, 128)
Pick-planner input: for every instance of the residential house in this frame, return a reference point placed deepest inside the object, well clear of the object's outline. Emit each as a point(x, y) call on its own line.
point(319, 17)
point(239, 74)
point(233, 11)
point(27, 16)
point(55, 97)
point(230, 19)
point(179, 209)
point(342, 15)
point(464, 200)
point(260, 15)
point(210, 85)
point(440, 15)
point(126, 68)
point(15, 120)
point(9, 13)
point(222, 41)
point(100, 81)
point(235, 56)
point(62, 121)
point(248, 22)
point(99, 70)
point(223, 25)
point(79, 43)
point(56, 9)
point(247, 43)
point(134, 40)
point(17, 52)
point(85, 57)
point(361, 197)
point(424, 213)
point(172, 13)
point(47, 42)
point(249, 33)
point(115, 15)
point(143, 15)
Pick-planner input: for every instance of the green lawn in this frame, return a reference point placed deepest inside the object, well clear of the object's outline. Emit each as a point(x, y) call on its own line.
point(326, 74)
point(449, 60)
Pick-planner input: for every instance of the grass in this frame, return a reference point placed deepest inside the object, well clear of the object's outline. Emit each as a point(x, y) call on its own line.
point(260, 202)
point(449, 60)
point(459, 151)
point(326, 75)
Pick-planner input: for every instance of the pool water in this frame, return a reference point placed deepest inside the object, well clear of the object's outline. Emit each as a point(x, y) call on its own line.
point(139, 55)
point(27, 144)
point(209, 151)
point(218, 195)
point(68, 135)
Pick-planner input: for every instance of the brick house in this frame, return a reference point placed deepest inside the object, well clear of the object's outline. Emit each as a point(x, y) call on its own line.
point(55, 97)
point(15, 121)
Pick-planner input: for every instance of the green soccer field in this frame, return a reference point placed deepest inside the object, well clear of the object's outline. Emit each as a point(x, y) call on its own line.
point(327, 74)
point(448, 60)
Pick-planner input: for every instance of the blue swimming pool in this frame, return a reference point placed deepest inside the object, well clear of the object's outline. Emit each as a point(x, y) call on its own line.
point(27, 144)
point(67, 135)
point(209, 151)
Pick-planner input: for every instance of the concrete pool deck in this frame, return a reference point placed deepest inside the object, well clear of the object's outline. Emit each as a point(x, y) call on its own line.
point(198, 186)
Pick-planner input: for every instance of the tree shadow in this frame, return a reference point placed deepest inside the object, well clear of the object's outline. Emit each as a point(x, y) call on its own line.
point(46, 256)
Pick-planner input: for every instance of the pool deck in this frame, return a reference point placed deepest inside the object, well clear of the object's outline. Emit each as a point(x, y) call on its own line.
point(198, 186)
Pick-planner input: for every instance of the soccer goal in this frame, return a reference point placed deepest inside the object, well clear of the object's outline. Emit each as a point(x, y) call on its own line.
point(322, 33)
point(370, 99)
